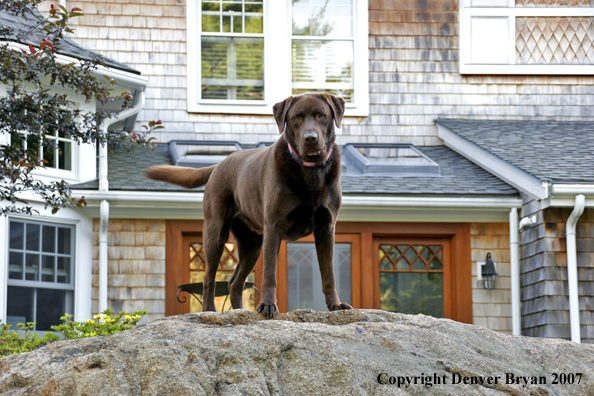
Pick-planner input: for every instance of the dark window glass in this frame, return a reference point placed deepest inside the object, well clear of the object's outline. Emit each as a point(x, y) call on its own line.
point(64, 240)
point(15, 265)
point(51, 305)
point(20, 305)
point(32, 267)
point(33, 236)
point(48, 243)
point(17, 233)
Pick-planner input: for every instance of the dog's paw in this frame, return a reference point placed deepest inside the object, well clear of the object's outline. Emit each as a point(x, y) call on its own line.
point(269, 310)
point(339, 307)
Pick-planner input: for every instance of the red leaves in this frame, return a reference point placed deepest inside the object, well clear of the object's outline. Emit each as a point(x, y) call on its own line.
point(31, 49)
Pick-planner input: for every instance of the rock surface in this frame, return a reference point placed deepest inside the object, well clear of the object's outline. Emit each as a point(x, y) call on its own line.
point(300, 353)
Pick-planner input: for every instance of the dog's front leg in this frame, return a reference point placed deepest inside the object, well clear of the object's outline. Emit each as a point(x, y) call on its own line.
point(272, 242)
point(324, 236)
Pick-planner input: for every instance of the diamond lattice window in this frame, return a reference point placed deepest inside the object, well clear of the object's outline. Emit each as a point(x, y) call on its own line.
point(227, 264)
point(411, 278)
point(556, 40)
point(554, 3)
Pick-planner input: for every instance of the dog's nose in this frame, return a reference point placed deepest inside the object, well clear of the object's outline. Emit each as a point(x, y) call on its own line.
point(311, 137)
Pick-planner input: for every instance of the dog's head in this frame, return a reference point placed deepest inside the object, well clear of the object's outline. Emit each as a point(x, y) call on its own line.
point(308, 122)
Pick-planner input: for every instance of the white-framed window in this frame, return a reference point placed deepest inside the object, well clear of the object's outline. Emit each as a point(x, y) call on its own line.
point(246, 55)
point(59, 157)
point(40, 272)
point(526, 37)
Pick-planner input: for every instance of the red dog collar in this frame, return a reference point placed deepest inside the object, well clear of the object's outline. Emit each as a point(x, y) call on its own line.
point(305, 163)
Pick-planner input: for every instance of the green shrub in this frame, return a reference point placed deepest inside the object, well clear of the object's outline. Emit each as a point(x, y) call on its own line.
point(107, 323)
point(13, 342)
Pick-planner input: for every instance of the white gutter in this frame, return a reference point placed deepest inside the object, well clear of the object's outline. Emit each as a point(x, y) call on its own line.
point(104, 208)
point(348, 201)
point(572, 276)
point(515, 272)
point(572, 189)
point(422, 202)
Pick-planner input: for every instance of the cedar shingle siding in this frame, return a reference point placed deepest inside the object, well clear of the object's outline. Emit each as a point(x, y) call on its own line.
point(543, 268)
point(413, 63)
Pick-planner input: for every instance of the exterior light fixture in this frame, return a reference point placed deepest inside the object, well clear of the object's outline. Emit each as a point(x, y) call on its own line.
point(488, 273)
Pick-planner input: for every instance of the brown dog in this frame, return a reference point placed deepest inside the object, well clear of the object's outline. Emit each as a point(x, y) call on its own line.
point(264, 196)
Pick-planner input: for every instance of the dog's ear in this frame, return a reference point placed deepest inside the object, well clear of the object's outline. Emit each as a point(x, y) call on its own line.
point(280, 113)
point(337, 105)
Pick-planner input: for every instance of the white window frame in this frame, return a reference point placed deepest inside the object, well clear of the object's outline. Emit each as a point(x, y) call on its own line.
point(82, 169)
point(82, 275)
point(504, 13)
point(277, 61)
point(39, 284)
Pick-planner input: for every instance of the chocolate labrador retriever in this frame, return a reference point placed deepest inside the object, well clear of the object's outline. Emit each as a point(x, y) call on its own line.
point(264, 196)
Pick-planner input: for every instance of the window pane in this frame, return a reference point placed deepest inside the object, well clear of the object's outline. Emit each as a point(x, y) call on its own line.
point(323, 66)
point(65, 155)
point(19, 305)
point(63, 270)
point(64, 240)
point(304, 281)
point(254, 24)
point(331, 18)
point(15, 265)
point(211, 6)
point(51, 305)
point(211, 23)
point(33, 236)
point(17, 235)
point(232, 68)
point(412, 293)
point(32, 267)
point(48, 268)
point(48, 243)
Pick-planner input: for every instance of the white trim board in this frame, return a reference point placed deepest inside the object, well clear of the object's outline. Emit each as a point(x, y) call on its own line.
point(188, 205)
point(509, 173)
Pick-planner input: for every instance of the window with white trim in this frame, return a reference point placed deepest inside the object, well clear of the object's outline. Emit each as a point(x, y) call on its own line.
point(56, 152)
point(40, 272)
point(526, 37)
point(246, 55)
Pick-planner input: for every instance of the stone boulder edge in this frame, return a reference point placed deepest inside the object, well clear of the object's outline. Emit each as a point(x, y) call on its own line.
point(298, 353)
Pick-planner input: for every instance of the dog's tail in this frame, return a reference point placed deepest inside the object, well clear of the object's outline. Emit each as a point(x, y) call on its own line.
point(180, 175)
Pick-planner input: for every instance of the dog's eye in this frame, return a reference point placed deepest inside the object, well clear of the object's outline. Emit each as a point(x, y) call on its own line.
point(298, 118)
point(320, 116)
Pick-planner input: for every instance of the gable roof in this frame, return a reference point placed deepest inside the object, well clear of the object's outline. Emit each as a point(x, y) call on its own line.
point(555, 152)
point(32, 34)
point(459, 177)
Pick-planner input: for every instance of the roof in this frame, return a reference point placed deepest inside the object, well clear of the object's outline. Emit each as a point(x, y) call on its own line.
point(32, 34)
point(459, 176)
point(559, 152)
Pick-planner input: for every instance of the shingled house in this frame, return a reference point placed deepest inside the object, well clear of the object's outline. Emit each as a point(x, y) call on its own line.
point(466, 133)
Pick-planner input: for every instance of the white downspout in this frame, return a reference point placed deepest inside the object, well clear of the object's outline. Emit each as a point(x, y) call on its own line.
point(515, 272)
point(572, 276)
point(104, 207)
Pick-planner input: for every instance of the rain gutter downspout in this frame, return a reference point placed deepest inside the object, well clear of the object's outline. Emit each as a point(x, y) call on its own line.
point(572, 276)
point(515, 272)
point(104, 207)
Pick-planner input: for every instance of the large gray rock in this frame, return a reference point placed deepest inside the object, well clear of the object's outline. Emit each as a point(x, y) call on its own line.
point(301, 353)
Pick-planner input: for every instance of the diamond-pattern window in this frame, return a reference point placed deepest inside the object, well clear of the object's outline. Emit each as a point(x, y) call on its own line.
point(227, 264)
point(411, 278)
point(555, 40)
point(554, 3)
point(411, 258)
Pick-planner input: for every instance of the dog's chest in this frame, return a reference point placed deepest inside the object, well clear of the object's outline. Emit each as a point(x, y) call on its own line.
point(301, 222)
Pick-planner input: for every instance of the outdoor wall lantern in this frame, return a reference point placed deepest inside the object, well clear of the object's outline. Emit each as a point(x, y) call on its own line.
point(487, 272)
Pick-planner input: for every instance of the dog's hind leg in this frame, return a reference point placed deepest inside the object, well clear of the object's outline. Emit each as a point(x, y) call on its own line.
point(249, 247)
point(216, 234)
